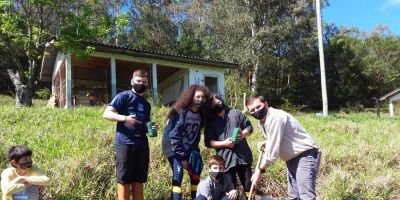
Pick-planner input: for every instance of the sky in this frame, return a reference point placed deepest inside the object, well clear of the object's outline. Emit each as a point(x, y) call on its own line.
point(364, 14)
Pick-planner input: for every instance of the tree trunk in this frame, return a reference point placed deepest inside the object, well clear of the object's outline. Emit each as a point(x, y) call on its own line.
point(23, 92)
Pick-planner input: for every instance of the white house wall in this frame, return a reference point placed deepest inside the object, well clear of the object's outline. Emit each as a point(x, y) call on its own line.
point(195, 76)
point(57, 64)
point(394, 99)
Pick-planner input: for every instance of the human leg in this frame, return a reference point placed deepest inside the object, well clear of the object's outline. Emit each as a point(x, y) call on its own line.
point(124, 175)
point(177, 176)
point(244, 172)
point(307, 174)
point(141, 168)
point(232, 173)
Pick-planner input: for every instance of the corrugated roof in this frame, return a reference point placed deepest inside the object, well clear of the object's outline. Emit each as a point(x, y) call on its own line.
point(149, 53)
point(390, 94)
point(51, 53)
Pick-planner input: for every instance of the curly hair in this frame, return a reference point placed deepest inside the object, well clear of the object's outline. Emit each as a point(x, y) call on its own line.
point(186, 98)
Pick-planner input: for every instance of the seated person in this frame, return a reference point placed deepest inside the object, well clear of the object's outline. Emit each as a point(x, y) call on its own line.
point(216, 186)
point(21, 180)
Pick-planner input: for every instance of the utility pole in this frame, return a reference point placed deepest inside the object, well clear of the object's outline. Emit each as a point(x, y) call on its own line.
point(322, 61)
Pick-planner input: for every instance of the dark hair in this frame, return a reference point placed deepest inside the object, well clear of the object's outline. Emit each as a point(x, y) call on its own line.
point(209, 114)
point(252, 98)
point(17, 152)
point(140, 73)
point(215, 160)
point(186, 98)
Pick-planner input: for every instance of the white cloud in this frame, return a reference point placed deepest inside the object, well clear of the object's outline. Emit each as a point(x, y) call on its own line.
point(390, 4)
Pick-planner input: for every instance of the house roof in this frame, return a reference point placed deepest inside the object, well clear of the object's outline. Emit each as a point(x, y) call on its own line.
point(390, 94)
point(51, 54)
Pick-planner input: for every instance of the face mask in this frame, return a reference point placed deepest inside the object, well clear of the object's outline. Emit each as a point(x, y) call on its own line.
point(199, 102)
point(216, 176)
point(217, 108)
point(139, 88)
point(260, 114)
point(26, 165)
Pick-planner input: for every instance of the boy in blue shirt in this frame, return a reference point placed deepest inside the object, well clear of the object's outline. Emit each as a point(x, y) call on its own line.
point(131, 111)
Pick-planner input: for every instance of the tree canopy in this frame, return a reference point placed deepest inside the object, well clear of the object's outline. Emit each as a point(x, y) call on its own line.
point(275, 43)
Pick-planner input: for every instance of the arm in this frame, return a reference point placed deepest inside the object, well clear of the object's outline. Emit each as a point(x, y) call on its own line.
point(38, 178)
point(227, 143)
point(110, 113)
point(204, 189)
point(245, 125)
point(8, 186)
point(272, 145)
point(276, 131)
point(231, 193)
point(212, 142)
point(176, 137)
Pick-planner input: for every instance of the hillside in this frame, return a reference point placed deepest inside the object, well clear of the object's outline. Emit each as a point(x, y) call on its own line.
point(361, 153)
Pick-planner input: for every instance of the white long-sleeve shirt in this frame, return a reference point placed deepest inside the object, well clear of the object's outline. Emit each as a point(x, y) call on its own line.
point(286, 137)
point(11, 186)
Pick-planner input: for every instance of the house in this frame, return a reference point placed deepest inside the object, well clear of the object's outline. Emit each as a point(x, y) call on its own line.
point(109, 70)
point(394, 98)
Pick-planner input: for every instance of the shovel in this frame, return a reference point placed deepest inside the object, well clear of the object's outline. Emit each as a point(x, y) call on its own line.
point(257, 166)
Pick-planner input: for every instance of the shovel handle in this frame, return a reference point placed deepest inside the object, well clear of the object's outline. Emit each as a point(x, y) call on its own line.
point(257, 166)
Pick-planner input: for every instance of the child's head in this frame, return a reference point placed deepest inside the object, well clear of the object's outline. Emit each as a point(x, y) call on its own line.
point(140, 81)
point(20, 157)
point(216, 164)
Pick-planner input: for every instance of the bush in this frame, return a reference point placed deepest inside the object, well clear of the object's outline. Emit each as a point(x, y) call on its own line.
point(43, 93)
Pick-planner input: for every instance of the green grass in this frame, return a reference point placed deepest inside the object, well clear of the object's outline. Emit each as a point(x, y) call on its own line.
point(361, 153)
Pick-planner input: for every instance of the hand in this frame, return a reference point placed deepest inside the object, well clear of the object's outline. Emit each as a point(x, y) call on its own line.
point(155, 127)
point(24, 181)
point(243, 135)
point(261, 145)
point(228, 143)
point(185, 164)
point(131, 120)
point(232, 195)
point(256, 177)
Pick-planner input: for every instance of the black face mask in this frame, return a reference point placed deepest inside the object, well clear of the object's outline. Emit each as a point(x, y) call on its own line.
point(26, 164)
point(198, 102)
point(260, 114)
point(216, 176)
point(218, 108)
point(139, 88)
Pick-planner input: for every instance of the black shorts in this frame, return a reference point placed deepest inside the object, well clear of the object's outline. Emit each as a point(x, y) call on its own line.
point(132, 163)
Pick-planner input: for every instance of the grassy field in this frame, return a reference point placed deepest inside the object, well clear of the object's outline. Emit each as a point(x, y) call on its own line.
point(361, 153)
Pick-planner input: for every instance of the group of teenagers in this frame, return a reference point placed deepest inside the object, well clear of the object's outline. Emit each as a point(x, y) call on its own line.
point(195, 110)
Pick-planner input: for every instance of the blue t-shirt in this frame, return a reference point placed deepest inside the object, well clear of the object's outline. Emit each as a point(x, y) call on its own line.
point(129, 103)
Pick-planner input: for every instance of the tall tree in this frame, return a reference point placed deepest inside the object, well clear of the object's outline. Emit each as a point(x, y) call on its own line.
point(29, 24)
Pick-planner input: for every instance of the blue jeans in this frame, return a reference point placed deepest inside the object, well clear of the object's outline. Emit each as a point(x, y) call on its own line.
point(177, 176)
point(302, 174)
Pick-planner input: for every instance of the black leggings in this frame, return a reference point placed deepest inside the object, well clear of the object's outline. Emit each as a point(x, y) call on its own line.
point(244, 173)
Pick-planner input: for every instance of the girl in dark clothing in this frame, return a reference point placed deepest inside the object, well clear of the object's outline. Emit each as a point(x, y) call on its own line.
point(181, 138)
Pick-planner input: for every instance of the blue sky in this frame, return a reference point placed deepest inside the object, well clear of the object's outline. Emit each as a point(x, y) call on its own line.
point(364, 14)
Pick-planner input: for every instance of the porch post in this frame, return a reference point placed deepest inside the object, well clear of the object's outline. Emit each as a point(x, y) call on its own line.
point(391, 108)
point(68, 82)
point(113, 78)
point(154, 83)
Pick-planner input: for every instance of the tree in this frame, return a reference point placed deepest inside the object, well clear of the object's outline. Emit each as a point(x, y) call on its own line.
point(29, 24)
